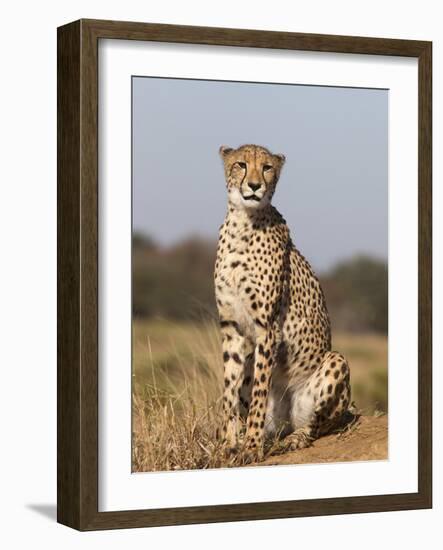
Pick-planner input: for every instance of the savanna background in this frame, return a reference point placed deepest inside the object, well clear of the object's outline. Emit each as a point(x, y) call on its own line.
point(333, 194)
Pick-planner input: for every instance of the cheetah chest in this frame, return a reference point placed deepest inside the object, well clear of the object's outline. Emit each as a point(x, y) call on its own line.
point(230, 296)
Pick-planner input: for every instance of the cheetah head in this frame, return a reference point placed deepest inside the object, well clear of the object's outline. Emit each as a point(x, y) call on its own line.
point(251, 175)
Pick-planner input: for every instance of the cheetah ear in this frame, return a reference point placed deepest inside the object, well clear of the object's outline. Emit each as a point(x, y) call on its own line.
point(281, 159)
point(224, 151)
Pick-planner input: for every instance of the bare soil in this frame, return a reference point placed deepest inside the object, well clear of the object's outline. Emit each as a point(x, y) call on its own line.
point(367, 439)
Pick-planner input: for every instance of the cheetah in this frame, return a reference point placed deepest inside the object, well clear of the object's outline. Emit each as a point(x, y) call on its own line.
point(280, 375)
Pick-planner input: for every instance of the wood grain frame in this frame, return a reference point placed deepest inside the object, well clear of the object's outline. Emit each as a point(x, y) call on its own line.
point(77, 320)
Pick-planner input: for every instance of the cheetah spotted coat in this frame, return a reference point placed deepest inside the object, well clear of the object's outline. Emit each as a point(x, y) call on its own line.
point(280, 374)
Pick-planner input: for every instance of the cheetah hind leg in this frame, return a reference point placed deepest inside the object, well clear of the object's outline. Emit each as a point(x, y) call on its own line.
point(330, 390)
point(299, 439)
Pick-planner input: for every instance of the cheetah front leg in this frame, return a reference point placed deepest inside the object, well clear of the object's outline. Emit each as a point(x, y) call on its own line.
point(263, 363)
point(233, 345)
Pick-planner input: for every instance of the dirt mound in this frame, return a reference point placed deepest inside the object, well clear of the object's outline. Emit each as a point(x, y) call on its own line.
point(367, 439)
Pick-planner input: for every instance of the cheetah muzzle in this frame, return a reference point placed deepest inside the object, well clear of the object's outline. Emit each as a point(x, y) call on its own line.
point(280, 375)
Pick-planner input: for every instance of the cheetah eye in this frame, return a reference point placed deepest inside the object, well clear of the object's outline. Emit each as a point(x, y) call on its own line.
point(242, 165)
point(267, 167)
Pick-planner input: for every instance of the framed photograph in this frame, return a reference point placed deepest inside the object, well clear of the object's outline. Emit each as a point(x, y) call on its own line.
point(244, 274)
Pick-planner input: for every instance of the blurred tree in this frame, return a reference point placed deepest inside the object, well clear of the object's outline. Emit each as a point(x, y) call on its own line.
point(357, 295)
point(177, 282)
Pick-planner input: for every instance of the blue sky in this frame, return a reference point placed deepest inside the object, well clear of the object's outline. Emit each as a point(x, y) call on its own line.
point(333, 190)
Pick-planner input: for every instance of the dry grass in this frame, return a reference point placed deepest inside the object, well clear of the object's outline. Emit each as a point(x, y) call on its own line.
point(177, 398)
point(167, 439)
point(177, 388)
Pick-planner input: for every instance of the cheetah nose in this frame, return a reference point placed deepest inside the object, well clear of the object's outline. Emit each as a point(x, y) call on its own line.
point(254, 186)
